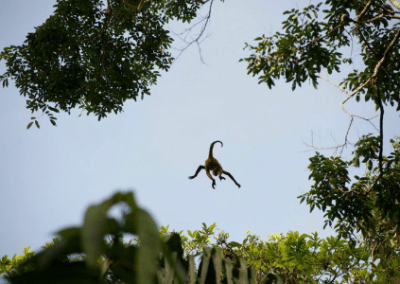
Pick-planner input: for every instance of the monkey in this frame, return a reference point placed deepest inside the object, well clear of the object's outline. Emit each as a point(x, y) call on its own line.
point(212, 165)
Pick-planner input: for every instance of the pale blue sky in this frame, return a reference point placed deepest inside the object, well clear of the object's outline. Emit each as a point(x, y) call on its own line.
point(49, 176)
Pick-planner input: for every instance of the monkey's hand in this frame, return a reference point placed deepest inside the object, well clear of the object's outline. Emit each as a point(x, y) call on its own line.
point(221, 178)
point(213, 184)
point(191, 177)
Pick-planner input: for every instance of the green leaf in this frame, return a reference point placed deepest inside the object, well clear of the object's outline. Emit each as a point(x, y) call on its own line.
point(69, 232)
point(234, 244)
point(149, 249)
point(93, 231)
point(5, 83)
point(29, 125)
point(37, 124)
point(54, 109)
point(314, 84)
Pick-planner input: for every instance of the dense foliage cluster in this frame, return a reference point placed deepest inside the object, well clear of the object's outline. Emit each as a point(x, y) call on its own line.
point(95, 56)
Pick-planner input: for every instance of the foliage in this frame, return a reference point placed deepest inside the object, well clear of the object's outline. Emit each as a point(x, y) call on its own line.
point(296, 258)
point(93, 56)
point(315, 40)
point(310, 45)
point(307, 47)
point(369, 204)
point(52, 264)
point(6, 264)
point(96, 57)
point(290, 258)
point(84, 256)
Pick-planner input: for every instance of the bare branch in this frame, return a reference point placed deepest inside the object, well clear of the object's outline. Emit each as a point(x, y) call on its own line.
point(377, 68)
point(352, 116)
point(199, 38)
point(395, 3)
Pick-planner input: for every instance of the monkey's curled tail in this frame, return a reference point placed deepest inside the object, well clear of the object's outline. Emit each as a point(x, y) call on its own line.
point(212, 147)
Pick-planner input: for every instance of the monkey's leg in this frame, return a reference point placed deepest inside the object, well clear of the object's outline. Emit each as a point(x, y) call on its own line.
point(197, 172)
point(210, 176)
point(229, 175)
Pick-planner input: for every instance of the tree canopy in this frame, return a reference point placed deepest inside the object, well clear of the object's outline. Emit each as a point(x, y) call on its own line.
point(313, 41)
point(95, 56)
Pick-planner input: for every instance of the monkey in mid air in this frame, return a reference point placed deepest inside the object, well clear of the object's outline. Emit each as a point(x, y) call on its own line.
point(212, 165)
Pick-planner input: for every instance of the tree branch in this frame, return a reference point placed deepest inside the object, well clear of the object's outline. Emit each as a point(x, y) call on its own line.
point(198, 39)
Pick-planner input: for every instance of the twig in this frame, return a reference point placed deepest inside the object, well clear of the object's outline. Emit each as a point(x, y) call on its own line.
point(198, 39)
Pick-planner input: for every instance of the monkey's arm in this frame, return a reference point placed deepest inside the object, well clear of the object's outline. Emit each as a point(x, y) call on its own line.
point(210, 176)
point(229, 175)
point(197, 172)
